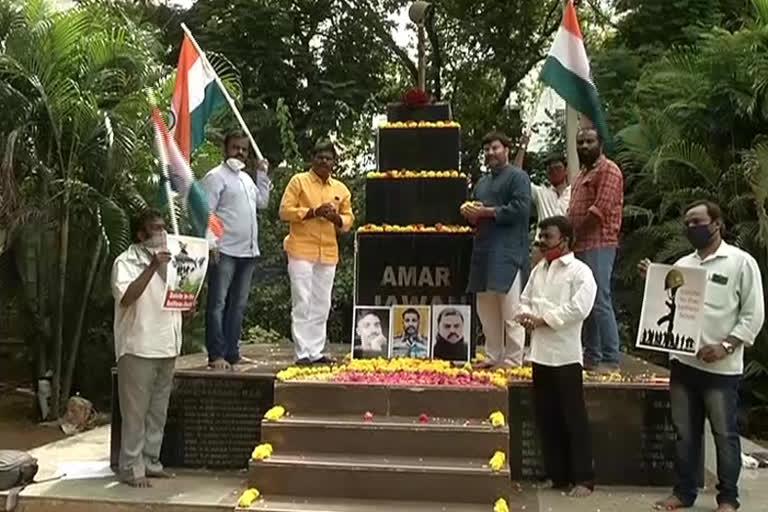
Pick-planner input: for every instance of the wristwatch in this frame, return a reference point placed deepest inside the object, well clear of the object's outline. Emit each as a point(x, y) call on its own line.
point(729, 348)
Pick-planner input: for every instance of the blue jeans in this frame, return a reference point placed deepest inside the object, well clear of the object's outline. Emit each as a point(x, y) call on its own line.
point(696, 395)
point(229, 283)
point(600, 334)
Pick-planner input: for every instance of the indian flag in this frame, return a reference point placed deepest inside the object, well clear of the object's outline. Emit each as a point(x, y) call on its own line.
point(566, 70)
point(195, 97)
point(202, 220)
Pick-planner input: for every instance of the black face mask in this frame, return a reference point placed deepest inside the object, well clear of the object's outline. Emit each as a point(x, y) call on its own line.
point(699, 236)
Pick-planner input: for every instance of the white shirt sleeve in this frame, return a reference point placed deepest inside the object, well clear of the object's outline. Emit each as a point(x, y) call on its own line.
point(752, 311)
point(263, 186)
point(535, 193)
point(583, 292)
point(123, 274)
point(524, 306)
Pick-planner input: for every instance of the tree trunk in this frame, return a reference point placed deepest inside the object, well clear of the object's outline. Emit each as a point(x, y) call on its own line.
point(58, 335)
point(66, 387)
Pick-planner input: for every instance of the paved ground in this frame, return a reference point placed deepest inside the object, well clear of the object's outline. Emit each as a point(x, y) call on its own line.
point(203, 491)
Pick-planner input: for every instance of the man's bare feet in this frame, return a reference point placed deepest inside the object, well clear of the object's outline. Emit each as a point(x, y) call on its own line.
point(485, 364)
point(160, 474)
point(670, 503)
point(141, 482)
point(219, 364)
point(580, 491)
point(726, 507)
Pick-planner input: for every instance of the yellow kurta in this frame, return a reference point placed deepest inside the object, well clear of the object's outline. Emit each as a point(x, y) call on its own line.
point(314, 239)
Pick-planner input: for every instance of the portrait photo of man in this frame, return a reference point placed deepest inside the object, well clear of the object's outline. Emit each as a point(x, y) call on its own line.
point(371, 332)
point(451, 332)
point(412, 329)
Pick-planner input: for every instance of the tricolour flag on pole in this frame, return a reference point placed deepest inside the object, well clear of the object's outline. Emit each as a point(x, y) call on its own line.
point(183, 182)
point(195, 97)
point(567, 71)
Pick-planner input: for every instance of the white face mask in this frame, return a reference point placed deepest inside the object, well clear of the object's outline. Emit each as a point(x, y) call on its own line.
point(156, 240)
point(236, 164)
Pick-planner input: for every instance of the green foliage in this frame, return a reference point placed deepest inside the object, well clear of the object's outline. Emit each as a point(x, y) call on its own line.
point(72, 87)
point(696, 126)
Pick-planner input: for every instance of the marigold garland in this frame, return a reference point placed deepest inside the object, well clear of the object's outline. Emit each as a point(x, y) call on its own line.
point(405, 371)
point(275, 413)
point(501, 505)
point(262, 451)
point(248, 497)
point(410, 174)
point(497, 461)
point(497, 419)
point(420, 124)
point(413, 228)
point(399, 371)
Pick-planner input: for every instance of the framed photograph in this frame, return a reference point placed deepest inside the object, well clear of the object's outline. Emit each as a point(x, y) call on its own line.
point(673, 304)
point(411, 327)
point(451, 332)
point(371, 332)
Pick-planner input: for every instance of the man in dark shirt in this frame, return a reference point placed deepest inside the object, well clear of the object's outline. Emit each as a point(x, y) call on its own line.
point(499, 267)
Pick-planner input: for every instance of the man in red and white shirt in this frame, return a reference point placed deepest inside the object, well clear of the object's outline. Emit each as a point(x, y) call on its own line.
point(595, 210)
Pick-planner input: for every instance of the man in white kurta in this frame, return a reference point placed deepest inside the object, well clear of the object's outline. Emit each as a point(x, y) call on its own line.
point(147, 342)
point(558, 297)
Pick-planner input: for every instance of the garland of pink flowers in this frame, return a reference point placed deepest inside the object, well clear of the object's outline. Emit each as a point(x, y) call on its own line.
point(425, 372)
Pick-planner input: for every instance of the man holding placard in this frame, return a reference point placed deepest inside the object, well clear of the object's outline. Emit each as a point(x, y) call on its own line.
point(147, 342)
point(706, 385)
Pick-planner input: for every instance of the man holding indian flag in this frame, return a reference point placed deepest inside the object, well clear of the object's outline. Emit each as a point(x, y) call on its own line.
point(233, 196)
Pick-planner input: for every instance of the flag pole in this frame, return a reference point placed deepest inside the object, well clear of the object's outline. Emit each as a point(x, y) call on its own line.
point(571, 129)
point(224, 91)
point(163, 157)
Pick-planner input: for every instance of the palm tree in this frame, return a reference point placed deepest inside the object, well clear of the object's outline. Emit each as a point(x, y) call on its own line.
point(72, 86)
point(703, 116)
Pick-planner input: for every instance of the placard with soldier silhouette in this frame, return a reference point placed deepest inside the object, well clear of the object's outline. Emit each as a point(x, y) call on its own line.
point(185, 272)
point(673, 303)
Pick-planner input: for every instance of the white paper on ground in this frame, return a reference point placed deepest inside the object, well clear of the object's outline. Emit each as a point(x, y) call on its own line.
point(81, 469)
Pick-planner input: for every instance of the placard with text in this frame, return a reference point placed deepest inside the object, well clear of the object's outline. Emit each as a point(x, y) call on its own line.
point(673, 304)
point(186, 272)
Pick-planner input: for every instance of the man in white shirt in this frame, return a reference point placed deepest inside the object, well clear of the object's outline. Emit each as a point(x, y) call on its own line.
point(556, 301)
point(147, 342)
point(234, 198)
point(707, 385)
point(550, 200)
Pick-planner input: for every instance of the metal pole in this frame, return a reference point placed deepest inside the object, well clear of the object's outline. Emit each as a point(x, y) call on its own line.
point(422, 65)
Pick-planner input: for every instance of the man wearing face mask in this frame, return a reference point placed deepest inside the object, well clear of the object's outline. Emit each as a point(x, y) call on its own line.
point(558, 297)
point(707, 385)
point(147, 342)
point(595, 212)
point(553, 199)
point(499, 264)
point(234, 197)
point(317, 206)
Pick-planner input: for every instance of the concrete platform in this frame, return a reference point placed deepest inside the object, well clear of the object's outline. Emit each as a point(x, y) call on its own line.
point(194, 491)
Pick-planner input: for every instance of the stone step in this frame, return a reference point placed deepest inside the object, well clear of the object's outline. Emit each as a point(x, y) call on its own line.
point(301, 504)
point(327, 398)
point(378, 477)
point(385, 435)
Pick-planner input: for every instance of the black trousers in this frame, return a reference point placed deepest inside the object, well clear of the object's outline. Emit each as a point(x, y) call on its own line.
point(561, 417)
